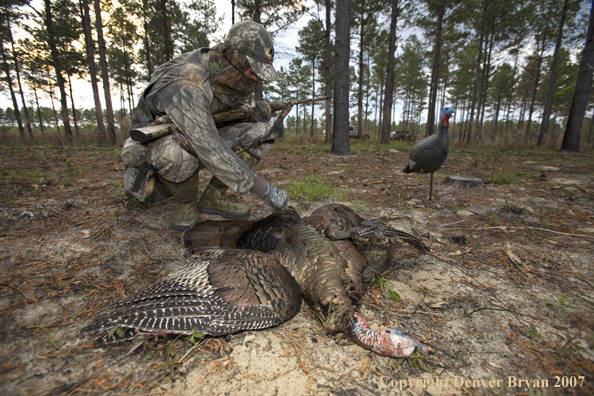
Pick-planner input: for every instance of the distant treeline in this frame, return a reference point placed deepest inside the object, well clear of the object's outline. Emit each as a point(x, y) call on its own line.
point(514, 69)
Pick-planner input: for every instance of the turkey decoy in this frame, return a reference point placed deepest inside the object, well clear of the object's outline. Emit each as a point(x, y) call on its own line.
point(252, 292)
point(429, 154)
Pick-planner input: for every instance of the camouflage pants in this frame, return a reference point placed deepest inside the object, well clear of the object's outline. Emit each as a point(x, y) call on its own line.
point(167, 159)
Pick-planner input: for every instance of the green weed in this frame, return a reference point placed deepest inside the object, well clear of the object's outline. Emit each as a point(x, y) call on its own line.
point(49, 336)
point(562, 304)
point(493, 220)
point(192, 338)
point(315, 188)
point(505, 177)
point(384, 285)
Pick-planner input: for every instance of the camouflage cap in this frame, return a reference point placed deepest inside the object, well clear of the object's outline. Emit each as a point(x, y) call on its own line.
point(251, 39)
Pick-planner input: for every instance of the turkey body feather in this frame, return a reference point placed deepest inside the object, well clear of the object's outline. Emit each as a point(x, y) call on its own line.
point(219, 292)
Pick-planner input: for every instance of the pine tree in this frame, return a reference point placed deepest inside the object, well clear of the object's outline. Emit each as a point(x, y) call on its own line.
point(340, 141)
point(573, 129)
point(90, 51)
point(111, 135)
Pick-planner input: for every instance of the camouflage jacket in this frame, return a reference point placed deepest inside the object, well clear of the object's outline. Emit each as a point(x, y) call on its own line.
point(181, 89)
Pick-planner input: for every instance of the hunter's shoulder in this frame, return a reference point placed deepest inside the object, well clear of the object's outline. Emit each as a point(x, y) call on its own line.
point(195, 66)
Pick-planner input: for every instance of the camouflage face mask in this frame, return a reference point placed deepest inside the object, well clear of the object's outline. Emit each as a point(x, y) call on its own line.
point(227, 73)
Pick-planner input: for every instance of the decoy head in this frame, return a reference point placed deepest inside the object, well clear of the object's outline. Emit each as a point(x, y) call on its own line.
point(445, 115)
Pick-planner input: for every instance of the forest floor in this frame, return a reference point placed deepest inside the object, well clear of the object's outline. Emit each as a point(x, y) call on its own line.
point(504, 302)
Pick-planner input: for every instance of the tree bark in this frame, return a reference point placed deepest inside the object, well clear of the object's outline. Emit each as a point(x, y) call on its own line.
point(327, 77)
point(571, 138)
point(73, 108)
point(111, 136)
point(435, 72)
point(18, 74)
point(360, 87)
point(534, 89)
point(165, 24)
point(58, 68)
point(485, 79)
point(258, 93)
point(90, 50)
point(475, 93)
point(232, 12)
point(147, 44)
point(17, 113)
point(546, 114)
point(511, 93)
point(340, 142)
point(38, 110)
point(313, 95)
point(389, 90)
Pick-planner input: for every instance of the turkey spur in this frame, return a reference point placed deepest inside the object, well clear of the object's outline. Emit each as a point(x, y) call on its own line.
point(211, 296)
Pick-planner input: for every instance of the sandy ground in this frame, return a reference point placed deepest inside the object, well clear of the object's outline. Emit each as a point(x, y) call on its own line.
point(504, 301)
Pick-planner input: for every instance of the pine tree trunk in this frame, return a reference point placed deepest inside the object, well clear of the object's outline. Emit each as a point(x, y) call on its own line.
point(90, 50)
point(146, 42)
point(591, 129)
point(509, 103)
point(38, 110)
point(258, 93)
point(486, 72)
point(340, 142)
point(534, 91)
point(111, 136)
point(571, 138)
point(360, 82)
point(327, 67)
point(73, 108)
point(17, 113)
point(51, 92)
point(470, 125)
point(544, 126)
point(389, 90)
point(496, 118)
point(313, 95)
point(58, 68)
point(18, 74)
point(166, 25)
point(435, 72)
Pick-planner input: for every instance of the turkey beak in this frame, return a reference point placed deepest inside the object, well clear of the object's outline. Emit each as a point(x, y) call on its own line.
point(406, 343)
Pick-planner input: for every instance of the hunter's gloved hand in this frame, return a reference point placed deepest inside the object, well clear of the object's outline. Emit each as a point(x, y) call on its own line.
point(274, 196)
point(262, 111)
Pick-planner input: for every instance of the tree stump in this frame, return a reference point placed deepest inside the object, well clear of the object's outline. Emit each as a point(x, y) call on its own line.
point(465, 182)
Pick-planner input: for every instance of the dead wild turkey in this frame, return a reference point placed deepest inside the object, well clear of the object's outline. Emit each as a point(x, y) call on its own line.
point(255, 293)
point(220, 291)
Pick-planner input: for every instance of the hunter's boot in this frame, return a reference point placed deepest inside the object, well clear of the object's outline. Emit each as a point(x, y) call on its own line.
point(215, 201)
point(186, 207)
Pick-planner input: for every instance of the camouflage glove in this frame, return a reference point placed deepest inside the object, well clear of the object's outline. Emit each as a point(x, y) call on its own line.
point(262, 111)
point(274, 196)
